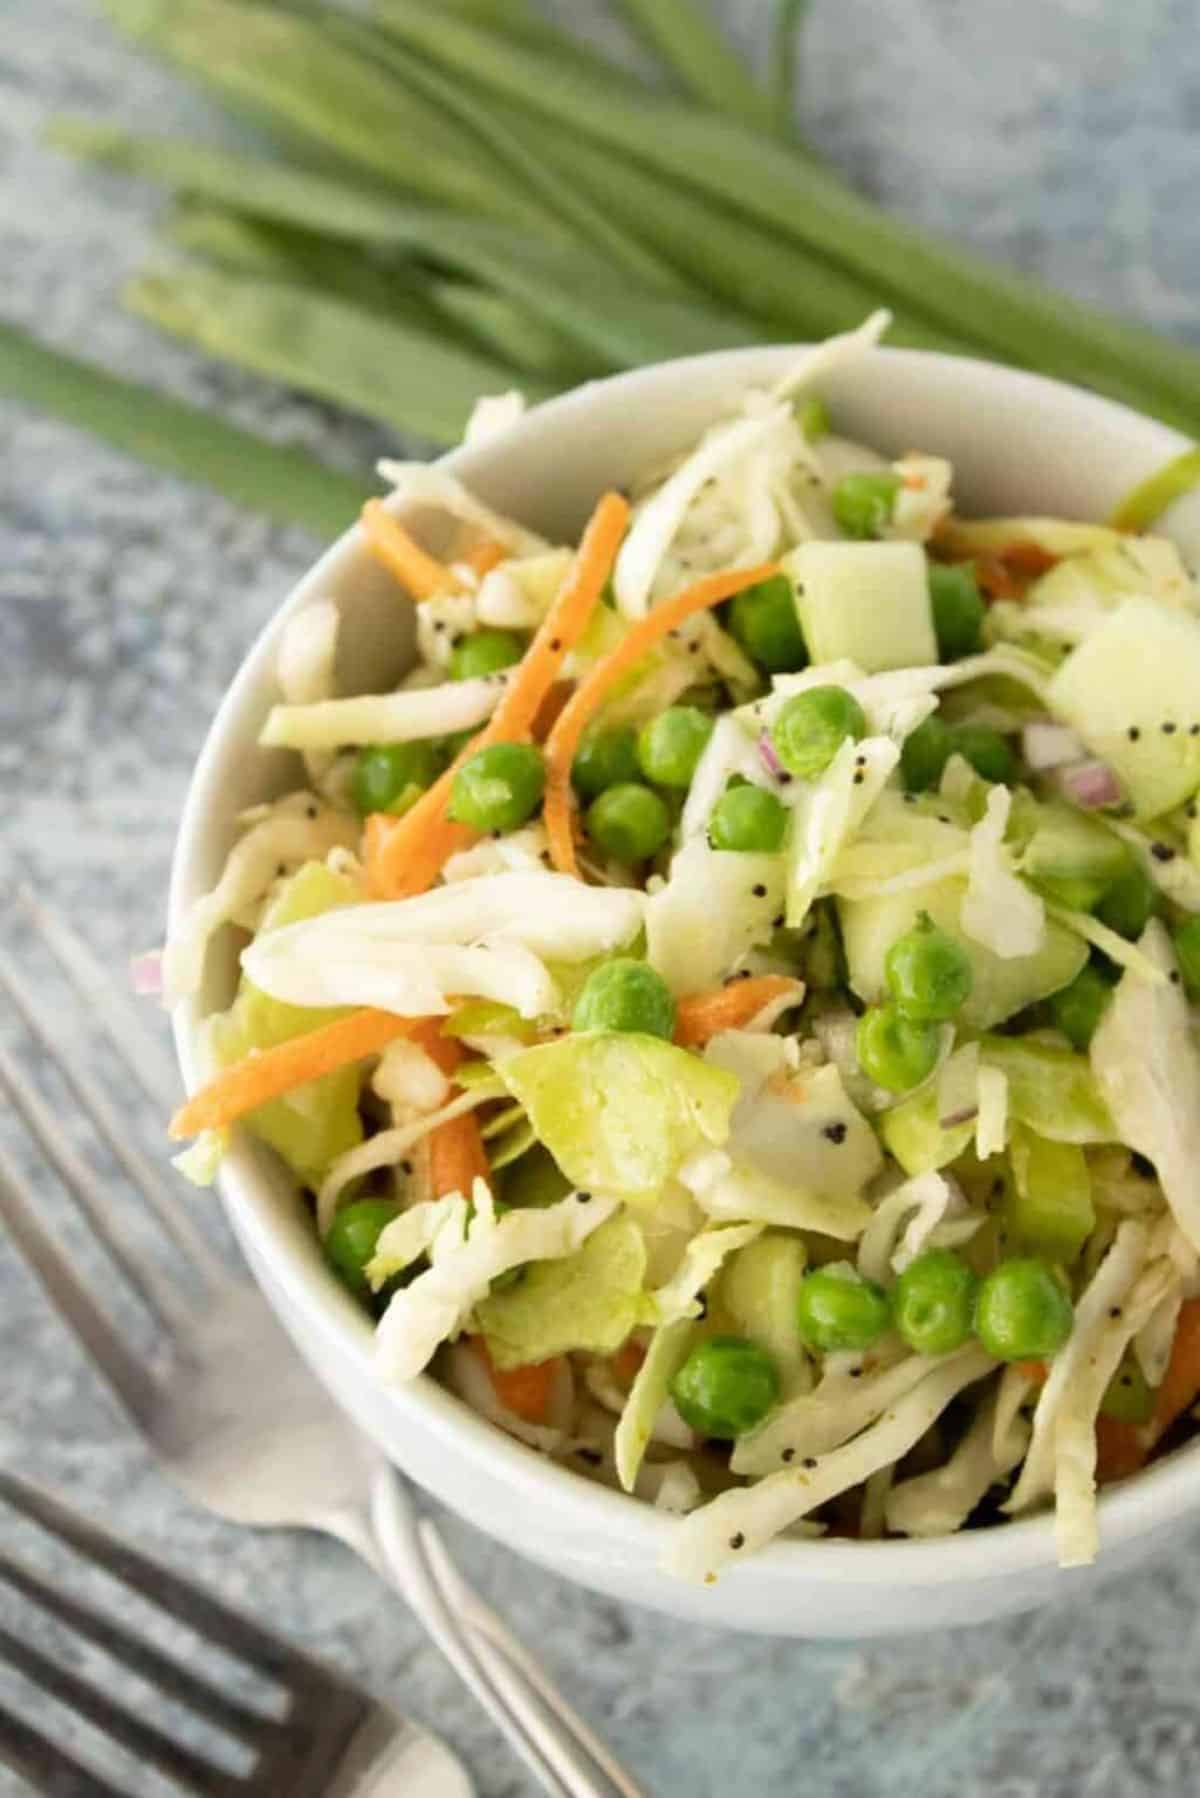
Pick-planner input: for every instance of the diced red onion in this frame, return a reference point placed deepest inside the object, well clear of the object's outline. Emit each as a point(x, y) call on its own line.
point(1047, 745)
point(768, 757)
point(1089, 785)
point(146, 974)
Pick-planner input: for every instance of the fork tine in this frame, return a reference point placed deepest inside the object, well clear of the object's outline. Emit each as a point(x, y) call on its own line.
point(142, 1739)
point(151, 1664)
point(95, 983)
point(84, 1188)
point(46, 1766)
point(103, 1346)
point(206, 1615)
point(98, 1109)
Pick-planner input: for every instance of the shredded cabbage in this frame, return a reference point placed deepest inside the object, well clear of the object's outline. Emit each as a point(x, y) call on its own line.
point(590, 1300)
point(619, 1111)
point(1147, 1066)
point(825, 814)
point(405, 717)
point(715, 907)
point(939, 1502)
point(386, 1148)
point(467, 1252)
point(902, 1224)
point(998, 909)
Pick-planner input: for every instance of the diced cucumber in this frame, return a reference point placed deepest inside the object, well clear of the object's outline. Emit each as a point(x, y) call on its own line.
point(1048, 1210)
point(1000, 987)
point(1132, 691)
point(1072, 858)
point(864, 602)
point(757, 1293)
point(1129, 1397)
point(319, 1121)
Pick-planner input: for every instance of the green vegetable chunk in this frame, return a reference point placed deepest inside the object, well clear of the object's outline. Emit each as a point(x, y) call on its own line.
point(837, 1309)
point(863, 503)
point(1128, 1398)
point(749, 820)
point(813, 418)
point(925, 754)
point(624, 994)
point(1187, 953)
point(352, 1238)
point(588, 1300)
point(763, 620)
point(1022, 1312)
point(934, 1301)
point(1078, 1008)
point(958, 609)
point(811, 727)
point(1129, 903)
point(485, 652)
point(500, 788)
point(389, 777)
point(725, 1387)
point(1049, 1211)
point(534, 1180)
point(605, 758)
point(670, 746)
point(928, 974)
point(894, 1051)
point(986, 750)
point(628, 822)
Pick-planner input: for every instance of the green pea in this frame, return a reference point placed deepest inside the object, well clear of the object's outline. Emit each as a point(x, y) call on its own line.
point(986, 750)
point(498, 788)
point(1187, 953)
point(837, 1309)
point(670, 746)
point(764, 621)
point(604, 759)
point(958, 609)
point(863, 504)
point(925, 754)
point(1129, 1397)
point(1077, 1009)
point(352, 1238)
point(624, 994)
point(725, 1387)
point(485, 652)
point(812, 416)
point(894, 1051)
point(628, 822)
point(1022, 1312)
point(928, 974)
point(533, 1181)
point(748, 819)
point(1129, 902)
point(934, 1302)
point(811, 727)
point(388, 777)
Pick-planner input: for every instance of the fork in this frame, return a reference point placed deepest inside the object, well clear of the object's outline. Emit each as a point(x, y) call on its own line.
point(273, 1452)
point(327, 1739)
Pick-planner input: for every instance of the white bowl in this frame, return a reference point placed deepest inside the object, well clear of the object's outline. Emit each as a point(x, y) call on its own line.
point(1018, 444)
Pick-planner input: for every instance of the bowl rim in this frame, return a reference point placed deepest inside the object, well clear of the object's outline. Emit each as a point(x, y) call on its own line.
point(331, 1320)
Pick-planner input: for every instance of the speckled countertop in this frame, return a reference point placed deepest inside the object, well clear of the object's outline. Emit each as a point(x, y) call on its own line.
point(1062, 136)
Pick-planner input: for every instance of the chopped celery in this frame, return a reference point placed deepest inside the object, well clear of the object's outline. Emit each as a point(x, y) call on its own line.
point(1049, 1209)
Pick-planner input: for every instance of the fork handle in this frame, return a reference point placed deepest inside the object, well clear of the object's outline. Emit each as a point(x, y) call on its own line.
point(537, 1722)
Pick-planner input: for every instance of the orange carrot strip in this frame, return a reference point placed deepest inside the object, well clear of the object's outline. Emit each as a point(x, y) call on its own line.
point(627, 1361)
point(1120, 1449)
point(422, 574)
point(1123, 1448)
point(1037, 1371)
point(700, 1016)
point(485, 556)
point(591, 691)
point(525, 1390)
point(266, 1075)
point(457, 1157)
point(412, 856)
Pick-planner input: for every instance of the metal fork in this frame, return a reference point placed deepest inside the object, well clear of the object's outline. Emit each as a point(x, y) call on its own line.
point(276, 1451)
point(320, 1738)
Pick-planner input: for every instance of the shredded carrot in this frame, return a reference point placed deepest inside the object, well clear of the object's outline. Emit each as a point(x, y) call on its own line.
point(485, 556)
point(700, 1016)
point(1120, 1449)
point(268, 1073)
point(551, 709)
point(422, 574)
point(641, 637)
point(995, 580)
point(411, 856)
point(1037, 1371)
point(457, 1157)
point(524, 1390)
point(1124, 1447)
point(627, 1361)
